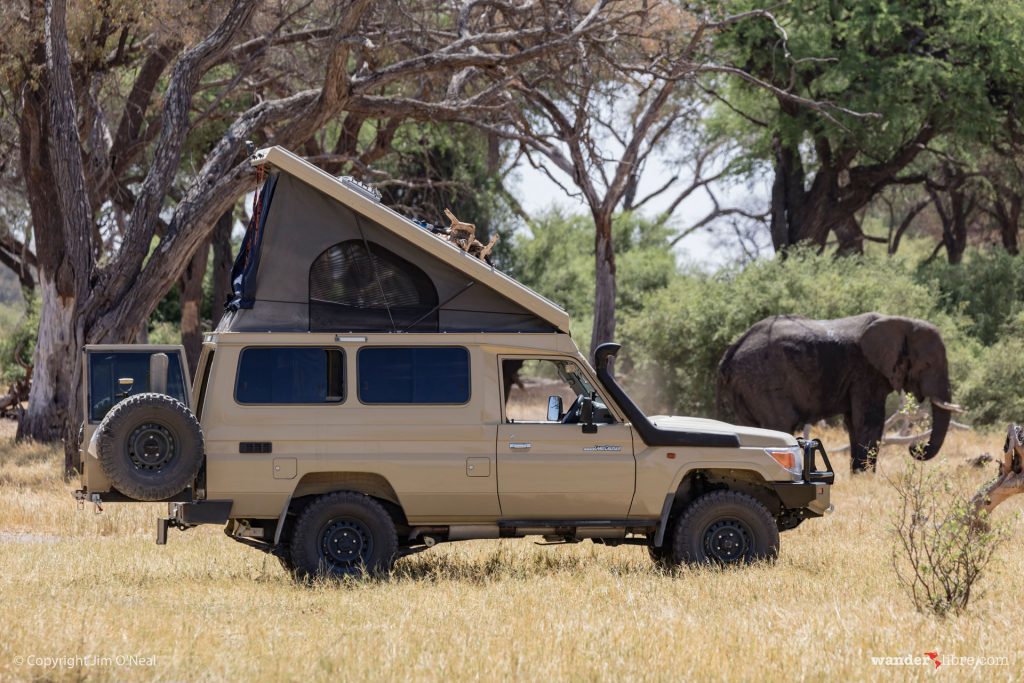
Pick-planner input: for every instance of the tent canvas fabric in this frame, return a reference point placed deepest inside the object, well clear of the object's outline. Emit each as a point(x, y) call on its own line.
point(320, 256)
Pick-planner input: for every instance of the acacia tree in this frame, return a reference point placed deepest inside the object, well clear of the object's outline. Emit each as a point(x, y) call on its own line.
point(131, 211)
point(601, 113)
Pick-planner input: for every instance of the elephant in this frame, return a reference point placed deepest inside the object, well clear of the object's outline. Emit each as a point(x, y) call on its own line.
point(787, 371)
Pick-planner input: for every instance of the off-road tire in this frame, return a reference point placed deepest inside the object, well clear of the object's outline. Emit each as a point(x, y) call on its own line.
point(150, 446)
point(343, 534)
point(725, 527)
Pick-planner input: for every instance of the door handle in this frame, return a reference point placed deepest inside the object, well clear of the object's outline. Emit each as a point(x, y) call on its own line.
point(520, 445)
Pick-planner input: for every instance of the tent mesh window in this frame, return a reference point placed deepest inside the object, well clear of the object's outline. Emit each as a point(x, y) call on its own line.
point(363, 287)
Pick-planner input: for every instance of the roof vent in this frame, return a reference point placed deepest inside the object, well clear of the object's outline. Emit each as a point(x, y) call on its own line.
point(371, 193)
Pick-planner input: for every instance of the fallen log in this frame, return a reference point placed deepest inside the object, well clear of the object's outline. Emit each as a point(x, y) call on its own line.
point(901, 422)
point(1010, 481)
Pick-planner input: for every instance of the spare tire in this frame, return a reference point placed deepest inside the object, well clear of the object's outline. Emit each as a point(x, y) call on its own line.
point(150, 446)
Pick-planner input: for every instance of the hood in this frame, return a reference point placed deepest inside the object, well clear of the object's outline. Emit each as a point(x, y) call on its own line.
point(748, 436)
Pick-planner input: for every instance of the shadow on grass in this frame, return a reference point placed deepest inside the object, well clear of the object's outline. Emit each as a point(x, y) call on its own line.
point(506, 564)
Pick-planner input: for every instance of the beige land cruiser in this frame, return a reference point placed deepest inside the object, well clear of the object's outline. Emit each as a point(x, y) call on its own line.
point(374, 389)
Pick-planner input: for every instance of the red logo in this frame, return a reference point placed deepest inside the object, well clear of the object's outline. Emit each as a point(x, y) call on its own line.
point(934, 656)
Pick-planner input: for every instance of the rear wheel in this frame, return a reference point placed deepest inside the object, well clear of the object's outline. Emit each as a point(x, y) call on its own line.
point(343, 534)
point(150, 446)
point(725, 527)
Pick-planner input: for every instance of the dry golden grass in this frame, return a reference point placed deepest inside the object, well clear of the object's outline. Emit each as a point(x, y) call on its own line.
point(78, 584)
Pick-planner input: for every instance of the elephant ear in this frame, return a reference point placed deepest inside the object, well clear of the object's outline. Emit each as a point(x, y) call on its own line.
point(884, 345)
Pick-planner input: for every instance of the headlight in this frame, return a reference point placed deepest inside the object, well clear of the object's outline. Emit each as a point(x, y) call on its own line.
point(791, 458)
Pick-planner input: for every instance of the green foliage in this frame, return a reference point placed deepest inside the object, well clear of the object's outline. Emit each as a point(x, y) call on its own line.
point(20, 329)
point(953, 65)
point(557, 259)
point(992, 389)
point(685, 328)
point(988, 288)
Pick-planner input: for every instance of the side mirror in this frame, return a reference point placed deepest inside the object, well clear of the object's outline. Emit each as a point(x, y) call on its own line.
point(554, 408)
point(587, 415)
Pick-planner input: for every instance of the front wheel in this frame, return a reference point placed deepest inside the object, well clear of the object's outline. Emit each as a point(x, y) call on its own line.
point(725, 527)
point(343, 534)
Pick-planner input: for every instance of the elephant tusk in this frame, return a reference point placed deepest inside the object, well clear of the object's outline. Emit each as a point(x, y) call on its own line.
point(951, 407)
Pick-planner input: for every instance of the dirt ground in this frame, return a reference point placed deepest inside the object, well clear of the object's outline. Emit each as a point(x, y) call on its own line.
point(89, 595)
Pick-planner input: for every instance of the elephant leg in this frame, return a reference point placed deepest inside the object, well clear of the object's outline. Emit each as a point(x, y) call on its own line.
point(858, 454)
point(865, 424)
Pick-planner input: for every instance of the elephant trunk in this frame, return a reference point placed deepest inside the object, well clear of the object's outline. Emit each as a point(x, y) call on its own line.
point(941, 415)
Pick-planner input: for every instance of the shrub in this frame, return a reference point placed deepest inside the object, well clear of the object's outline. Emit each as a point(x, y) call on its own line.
point(942, 545)
point(991, 390)
point(988, 288)
point(18, 343)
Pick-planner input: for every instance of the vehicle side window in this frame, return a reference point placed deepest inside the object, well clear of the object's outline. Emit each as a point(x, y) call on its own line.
point(414, 375)
point(290, 374)
point(529, 385)
point(116, 375)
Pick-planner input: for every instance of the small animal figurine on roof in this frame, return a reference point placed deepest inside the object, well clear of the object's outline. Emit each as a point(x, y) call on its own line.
point(463, 235)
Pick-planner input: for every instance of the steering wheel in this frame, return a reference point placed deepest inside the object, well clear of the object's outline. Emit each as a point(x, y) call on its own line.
point(572, 415)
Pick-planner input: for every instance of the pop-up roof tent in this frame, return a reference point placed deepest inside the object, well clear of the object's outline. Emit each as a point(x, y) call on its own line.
point(322, 254)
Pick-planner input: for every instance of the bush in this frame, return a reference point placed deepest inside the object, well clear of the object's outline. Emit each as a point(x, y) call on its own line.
point(988, 288)
point(942, 544)
point(992, 390)
point(684, 330)
point(18, 343)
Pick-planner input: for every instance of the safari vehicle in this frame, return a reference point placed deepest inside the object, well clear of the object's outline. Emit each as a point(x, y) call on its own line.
point(374, 389)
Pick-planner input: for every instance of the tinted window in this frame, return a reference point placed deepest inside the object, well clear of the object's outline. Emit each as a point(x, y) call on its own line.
point(290, 375)
point(114, 376)
point(414, 375)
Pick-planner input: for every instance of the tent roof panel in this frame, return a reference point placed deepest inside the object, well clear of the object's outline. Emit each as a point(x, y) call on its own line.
point(286, 162)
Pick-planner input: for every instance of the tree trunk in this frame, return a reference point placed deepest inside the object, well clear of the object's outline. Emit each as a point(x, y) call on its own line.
point(1008, 217)
point(802, 214)
point(191, 288)
point(222, 262)
point(787, 196)
point(850, 237)
point(54, 362)
point(604, 283)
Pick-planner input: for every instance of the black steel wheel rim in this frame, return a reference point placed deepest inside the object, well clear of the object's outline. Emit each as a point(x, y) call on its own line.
point(345, 544)
point(728, 541)
point(151, 446)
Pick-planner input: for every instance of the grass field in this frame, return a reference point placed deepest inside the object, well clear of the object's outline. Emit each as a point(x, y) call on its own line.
point(92, 593)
